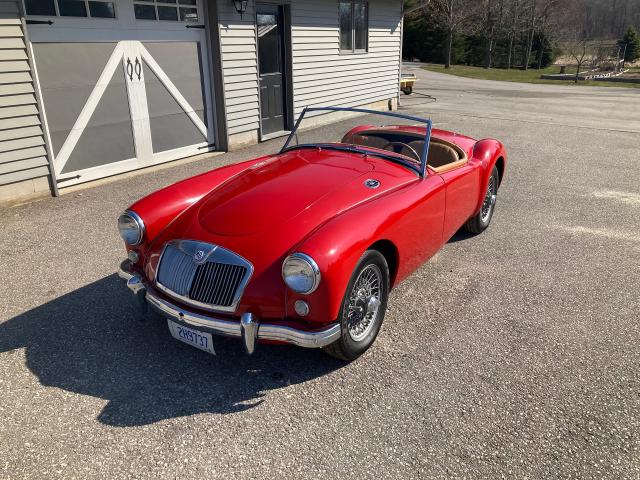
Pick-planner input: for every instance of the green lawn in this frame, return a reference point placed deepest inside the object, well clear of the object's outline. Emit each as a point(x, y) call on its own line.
point(517, 75)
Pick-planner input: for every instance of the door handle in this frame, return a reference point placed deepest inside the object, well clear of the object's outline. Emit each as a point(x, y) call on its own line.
point(138, 69)
point(129, 69)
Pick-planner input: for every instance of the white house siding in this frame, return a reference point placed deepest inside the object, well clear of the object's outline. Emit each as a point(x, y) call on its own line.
point(321, 74)
point(23, 157)
point(240, 67)
point(324, 76)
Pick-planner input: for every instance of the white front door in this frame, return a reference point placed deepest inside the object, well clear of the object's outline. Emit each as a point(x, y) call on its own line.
point(122, 93)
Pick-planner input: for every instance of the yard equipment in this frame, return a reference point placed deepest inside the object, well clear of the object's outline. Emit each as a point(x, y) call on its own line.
point(406, 83)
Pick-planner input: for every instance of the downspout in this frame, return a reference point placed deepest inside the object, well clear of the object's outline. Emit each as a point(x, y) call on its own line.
point(218, 100)
point(400, 53)
point(36, 91)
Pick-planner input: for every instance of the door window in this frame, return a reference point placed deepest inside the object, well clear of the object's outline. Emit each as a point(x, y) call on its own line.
point(268, 43)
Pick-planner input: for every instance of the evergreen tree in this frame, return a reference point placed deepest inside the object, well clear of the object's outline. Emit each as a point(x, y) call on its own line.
point(632, 43)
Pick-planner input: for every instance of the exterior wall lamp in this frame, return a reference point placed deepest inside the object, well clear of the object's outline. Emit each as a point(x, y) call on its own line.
point(241, 6)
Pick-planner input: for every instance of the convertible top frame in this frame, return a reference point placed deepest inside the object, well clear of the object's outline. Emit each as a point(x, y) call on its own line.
point(422, 170)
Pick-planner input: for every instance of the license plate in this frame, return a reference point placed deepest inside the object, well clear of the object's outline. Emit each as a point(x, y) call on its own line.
point(192, 337)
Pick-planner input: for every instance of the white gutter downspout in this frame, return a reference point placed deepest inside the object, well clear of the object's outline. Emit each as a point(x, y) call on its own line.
point(400, 53)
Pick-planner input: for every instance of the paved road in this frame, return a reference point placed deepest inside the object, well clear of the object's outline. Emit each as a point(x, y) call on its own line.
point(511, 354)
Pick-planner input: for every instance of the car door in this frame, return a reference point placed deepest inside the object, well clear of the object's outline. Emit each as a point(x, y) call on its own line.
point(462, 187)
point(418, 230)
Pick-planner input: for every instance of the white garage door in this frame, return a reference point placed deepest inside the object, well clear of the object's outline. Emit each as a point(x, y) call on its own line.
point(124, 83)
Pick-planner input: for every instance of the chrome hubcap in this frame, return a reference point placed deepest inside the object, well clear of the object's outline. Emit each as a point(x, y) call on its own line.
point(364, 302)
point(489, 199)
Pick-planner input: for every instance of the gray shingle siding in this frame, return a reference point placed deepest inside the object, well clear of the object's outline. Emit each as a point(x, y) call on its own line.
point(240, 67)
point(22, 151)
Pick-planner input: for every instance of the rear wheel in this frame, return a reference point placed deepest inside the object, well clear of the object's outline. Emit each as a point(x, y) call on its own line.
point(480, 222)
point(363, 307)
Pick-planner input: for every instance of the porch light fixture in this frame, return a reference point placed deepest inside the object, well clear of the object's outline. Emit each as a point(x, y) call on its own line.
point(241, 6)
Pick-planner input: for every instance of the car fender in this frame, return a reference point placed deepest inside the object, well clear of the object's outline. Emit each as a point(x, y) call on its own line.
point(337, 245)
point(336, 249)
point(488, 151)
point(160, 208)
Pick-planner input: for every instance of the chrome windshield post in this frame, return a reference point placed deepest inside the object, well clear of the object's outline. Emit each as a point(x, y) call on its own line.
point(294, 132)
point(425, 150)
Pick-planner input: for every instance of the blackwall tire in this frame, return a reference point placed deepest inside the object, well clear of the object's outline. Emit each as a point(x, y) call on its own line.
point(359, 323)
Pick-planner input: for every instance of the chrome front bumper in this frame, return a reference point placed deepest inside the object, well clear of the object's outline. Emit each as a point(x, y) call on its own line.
point(248, 328)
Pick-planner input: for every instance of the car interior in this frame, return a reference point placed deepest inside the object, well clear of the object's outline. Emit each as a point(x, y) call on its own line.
point(442, 156)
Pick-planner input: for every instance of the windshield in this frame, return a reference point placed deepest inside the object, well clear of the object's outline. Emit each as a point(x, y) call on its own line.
point(398, 138)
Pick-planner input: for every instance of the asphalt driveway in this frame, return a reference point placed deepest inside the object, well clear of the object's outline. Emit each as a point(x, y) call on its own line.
point(514, 353)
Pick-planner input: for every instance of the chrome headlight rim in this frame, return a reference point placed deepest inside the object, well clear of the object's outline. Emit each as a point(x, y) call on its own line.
point(314, 268)
point(139, 223)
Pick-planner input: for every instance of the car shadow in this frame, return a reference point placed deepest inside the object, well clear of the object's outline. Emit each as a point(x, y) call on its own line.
point(91, 342)
point(461, 235)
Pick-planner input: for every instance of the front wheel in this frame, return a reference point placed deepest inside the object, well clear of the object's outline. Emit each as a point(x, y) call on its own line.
point(363, 307)
point(480, 222)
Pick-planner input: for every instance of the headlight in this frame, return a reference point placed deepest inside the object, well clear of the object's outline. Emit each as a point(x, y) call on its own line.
point(131, 228)
point(301, 273)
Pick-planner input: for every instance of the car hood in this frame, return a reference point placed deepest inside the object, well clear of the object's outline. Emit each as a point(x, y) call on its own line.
point(275, 191)
point(266, 210)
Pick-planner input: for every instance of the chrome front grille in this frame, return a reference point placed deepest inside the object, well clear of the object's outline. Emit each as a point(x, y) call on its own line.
point(176, 270)
point(202, 274)
point(216, 283)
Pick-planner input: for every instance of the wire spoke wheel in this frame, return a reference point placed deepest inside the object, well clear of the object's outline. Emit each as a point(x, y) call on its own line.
point(489, 199)
point(364, 302)
point(363, 307)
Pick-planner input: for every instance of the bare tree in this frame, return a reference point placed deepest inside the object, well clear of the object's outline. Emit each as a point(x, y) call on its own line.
point(578, 37)
point(579, 49)
point(515, 26)
point(454, 16)
point(609, 19)
point(494, 14)
point(548, 29)
point(413, 7)
point(538, 13)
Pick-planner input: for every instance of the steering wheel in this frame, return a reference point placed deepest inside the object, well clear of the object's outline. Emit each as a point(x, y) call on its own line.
point(403, 145)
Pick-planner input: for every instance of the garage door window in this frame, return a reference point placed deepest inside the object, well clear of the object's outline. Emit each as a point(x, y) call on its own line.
point(173, 11)
point(71, 8)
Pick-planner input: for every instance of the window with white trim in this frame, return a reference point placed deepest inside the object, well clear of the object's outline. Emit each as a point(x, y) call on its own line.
point(354, 25)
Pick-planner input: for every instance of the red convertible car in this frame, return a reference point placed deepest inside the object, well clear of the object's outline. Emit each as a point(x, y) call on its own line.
point(303, 246)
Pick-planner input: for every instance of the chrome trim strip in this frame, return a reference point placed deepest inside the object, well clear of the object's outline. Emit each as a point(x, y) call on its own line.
point(169, 310)
point(265, 331)
point(254, 330)
point(213, 253)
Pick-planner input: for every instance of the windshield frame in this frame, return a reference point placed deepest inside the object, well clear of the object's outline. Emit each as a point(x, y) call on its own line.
point(421, 170)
